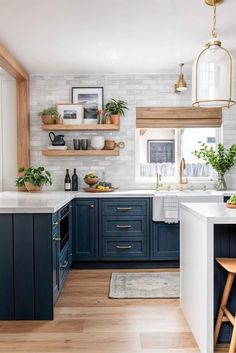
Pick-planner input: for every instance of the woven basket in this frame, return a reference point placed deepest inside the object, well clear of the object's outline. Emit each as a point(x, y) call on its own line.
point(33, 188)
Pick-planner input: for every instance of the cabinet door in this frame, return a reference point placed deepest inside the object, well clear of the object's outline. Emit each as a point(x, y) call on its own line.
point(56, 255)
point(165, 241)
point(85, 230)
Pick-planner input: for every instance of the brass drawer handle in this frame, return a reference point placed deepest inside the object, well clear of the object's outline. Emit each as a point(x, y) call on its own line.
point(123, 247)
point(123, 226)
point(57, 238)
point(123, 208)
point(65, 264)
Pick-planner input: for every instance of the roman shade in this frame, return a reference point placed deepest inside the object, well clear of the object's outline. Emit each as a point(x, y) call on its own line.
point(178, 117)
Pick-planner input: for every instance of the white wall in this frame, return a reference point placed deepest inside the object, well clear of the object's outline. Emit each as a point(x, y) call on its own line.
point(8, 153)
point(138, 91)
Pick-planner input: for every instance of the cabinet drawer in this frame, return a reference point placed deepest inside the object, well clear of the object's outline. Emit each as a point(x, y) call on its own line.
point(129, 249)
point(135, 207)
point(124, 226)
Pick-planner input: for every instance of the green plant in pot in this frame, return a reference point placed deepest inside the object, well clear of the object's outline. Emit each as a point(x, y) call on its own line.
point(33, 178)
point(220, 160)
point(51, 116)
point(115, 109)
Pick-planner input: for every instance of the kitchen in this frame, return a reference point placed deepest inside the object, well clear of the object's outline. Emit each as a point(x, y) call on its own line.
point(94, 239)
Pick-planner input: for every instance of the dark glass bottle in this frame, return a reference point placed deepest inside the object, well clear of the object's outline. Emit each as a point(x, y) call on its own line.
point(75, 185)
point(67, 181)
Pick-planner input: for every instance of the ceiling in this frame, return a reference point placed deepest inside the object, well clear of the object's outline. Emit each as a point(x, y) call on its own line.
point(110, 36)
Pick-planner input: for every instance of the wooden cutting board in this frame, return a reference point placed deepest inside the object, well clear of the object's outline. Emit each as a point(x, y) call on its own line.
point(97, 190)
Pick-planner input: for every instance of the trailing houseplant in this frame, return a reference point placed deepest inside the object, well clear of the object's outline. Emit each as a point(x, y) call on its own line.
point(33, 178)
point(115, 109)
point(51, 115)
point(221, 160)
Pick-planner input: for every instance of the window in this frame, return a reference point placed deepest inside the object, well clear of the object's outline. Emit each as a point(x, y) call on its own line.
point(159, 150)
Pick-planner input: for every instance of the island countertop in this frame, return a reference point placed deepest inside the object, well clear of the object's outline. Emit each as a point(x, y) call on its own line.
point(216, 213)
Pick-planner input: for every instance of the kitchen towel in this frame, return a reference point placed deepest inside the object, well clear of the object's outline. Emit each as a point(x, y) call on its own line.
point(171, 209)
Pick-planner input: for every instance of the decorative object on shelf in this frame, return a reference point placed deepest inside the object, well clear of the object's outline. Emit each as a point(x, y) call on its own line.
point(221, 160)
point(91, 179)
point(92, 100)
point(181, 85)
point(50, 115)
point(97, 142)
point(72, 114)
point(76, 144)
point(59, 148)
point(101, 114)
point(212, 72)
point(111, 145)
point(33, 178)
point(57, 140)
point(231, 203)
point(116, 109)
point(84, 144)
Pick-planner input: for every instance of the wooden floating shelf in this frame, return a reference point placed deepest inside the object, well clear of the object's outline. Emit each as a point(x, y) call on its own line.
point(80, 153)
point(92, 127)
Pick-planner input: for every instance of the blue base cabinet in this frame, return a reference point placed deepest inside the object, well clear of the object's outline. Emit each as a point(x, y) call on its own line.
point(85, 230)
point(124, 229)
point(165, 241)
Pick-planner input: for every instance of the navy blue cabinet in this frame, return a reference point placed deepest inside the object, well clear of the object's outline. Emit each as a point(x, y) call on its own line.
point(85, 229)
point(165, 241)
point(124, 229)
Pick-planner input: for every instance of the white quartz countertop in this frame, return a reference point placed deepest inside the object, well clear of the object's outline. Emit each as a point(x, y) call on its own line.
point(216, 213)
point(51, 201)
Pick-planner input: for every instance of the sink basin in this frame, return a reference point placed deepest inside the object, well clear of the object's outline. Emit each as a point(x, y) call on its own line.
point(183, 196)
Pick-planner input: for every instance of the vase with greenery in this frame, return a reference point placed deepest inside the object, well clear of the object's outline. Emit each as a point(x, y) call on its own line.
point(51, 115)
point(221, 160)
point(115, 109)
point(33, 178)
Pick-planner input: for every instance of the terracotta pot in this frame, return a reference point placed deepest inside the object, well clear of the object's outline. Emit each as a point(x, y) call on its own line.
point(59, 121)
point(47, 119)
point(108, 121)
point(110, 144)
point(33, 188)
point(115, 119)
point(22, 188)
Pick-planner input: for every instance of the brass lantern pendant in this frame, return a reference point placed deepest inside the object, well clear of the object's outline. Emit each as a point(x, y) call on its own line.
point(213, 72)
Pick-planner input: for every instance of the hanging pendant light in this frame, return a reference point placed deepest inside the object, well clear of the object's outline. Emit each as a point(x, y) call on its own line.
point(181, 85)
point(213, 72)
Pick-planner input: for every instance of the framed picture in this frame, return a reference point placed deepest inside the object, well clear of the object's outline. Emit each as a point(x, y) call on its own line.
point(72, 114)
point(161, 151)
point(92, 100)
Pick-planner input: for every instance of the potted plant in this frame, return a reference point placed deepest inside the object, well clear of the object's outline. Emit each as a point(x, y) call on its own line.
point(116, 109)
point(221, 160)
point(50, 116)
point(33, 178)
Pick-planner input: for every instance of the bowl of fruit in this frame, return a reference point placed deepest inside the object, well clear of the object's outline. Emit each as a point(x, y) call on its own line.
point(104, 187)
point(231, 203)
point(91, 179)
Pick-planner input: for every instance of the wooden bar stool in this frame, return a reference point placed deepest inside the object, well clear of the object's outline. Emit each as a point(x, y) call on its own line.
point(224, 314)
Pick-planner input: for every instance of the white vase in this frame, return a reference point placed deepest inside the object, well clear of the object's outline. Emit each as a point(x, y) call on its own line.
point(97, 142)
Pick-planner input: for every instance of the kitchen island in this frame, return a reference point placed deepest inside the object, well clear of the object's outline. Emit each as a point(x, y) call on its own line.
point(207, 230)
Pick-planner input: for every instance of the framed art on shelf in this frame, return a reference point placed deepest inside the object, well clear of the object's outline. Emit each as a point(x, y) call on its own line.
point(92, 100)
point(72, 114)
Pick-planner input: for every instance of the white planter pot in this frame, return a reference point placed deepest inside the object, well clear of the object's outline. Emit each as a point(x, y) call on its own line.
point(97, 142)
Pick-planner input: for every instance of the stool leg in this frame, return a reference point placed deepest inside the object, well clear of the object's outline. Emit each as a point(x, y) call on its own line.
point(225, 297)
point(233, 340)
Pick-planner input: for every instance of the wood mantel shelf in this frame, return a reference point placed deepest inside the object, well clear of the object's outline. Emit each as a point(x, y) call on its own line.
point(80, 153)
point(82, 127)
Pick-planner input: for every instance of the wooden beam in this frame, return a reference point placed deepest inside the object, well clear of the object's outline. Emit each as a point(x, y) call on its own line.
point(23, 142)
point(9, 63)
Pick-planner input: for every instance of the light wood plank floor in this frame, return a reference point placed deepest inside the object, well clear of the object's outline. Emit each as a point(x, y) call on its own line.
point(86, 321)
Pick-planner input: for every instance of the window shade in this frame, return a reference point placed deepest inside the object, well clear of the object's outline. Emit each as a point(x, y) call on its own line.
point(177, 117)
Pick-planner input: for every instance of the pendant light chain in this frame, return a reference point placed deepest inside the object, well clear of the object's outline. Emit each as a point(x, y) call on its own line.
point(214, 30)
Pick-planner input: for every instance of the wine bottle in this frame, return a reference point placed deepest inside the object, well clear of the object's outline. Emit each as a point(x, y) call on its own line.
point(75, 181)
point(67, 181)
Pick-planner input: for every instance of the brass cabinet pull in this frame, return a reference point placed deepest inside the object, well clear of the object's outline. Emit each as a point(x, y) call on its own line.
point(55, 223)
point(57, 238)
point(123, 208)
point(123, 246)
point(65, 264)
point(123, 226)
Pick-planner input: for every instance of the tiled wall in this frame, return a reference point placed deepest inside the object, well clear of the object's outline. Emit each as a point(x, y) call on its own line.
point(137, 90)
